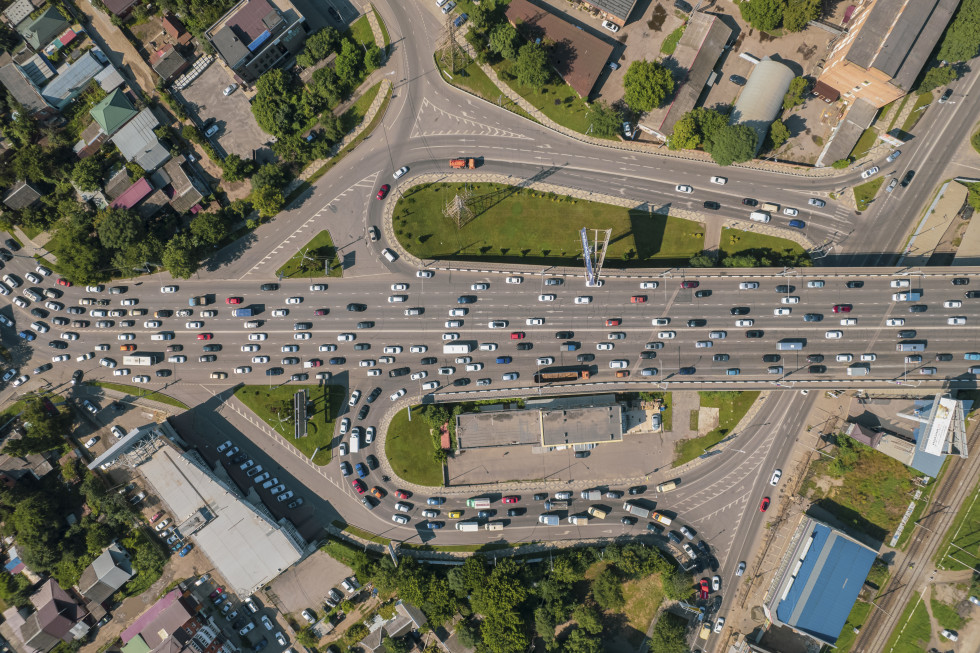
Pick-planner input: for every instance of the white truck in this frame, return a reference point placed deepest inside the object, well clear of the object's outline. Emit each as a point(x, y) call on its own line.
point(634, 509)
point(591, 495)
point(457, 348)
point(467, 526)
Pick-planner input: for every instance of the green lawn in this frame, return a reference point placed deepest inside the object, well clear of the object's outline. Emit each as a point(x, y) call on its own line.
point(913, 629)
point(859, 614)
point(360, 31)
point(354, 115)
point(864, 193)
point(670, 43)
point(732, 407)
point(946, 615)
point(322, 249)
point(921, 102)
point(137, 391)
point(864, 144)
point(473, 79)
point(898, 112)
point(408, 447)
point(961, 546)
point(381, 24)
point(736, 241)
point(518, 226)
point(327, 401)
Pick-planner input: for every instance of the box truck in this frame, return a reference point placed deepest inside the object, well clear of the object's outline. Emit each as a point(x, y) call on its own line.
point(457, 348)
point(242, 312)
point(480, 503)
point(591, 495)
point(468, 526)
point(634, 509)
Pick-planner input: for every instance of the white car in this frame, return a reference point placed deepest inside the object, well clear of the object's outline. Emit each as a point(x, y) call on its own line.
point(792, 299)
point(318, 286)
point(425, 274)
point(488, 346)
point(660, 321)
point(280, 312)
point(534, 321)
point(719, 625)
point(354, 398)
point(54, 306)
point(952, 303)
point(583, 299)
point(612, 27)
point(244, 369)
point(455, 324)
point(548, 298)
point(399, 286)
point(344, 426)
point(84, 357)
point(495, 324)
point(122, 371)
point(33, 278)
point(95, 288)
point(816, 283)
point(58, 359)
point(193, 325)
point(604, 346)
point(870, 171)
point(260, 359)
point(458, 312)
point(895, 321)
point(833, 335)
point(515, 279)
point(169, 289)
point(474, 367)
point(721, 181)
point(346, 337)
point(744, 323)
point(956, 321)
point(450, 336)
point(848, 321)
point(141, 379)
point(649, 285)
point(681, 188)
point(417, 376)
point(844, 358)
point(258, 336)
point(789, 211)
point(418, 349)
point(447, 371)
point(386, 360)
point(152, 324)
point(900, 283)
point(251, 347)
point(177, 359)
point(430, 385)
point(302, 336)
point(950, 635)
point(666, 335)
point(399, 519)
point(294, 300)
point(546, 360)
point(869, 358)
point(373, 372)
point(400, 172)
point(397, 394)
point(480, 286)
point(782, 311)
point(748, 285)
point(393, 349)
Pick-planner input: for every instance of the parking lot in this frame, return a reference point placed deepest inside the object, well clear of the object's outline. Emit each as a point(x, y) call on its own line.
point(262, 628)
point(304, 586)
point(238, 133)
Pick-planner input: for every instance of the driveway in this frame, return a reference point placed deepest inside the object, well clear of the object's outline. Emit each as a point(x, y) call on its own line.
point(238, 133)
point(120, 51)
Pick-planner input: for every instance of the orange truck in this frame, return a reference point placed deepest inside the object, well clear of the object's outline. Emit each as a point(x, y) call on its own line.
point(462, 163)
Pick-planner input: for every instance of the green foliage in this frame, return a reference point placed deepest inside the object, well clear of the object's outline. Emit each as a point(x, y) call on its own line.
point(275, 102)
point(608, 590)
point(582, 641)
point(764, 15)
point(372, 58)
point(840, 164)
point(8, 38)
point(605, 120)
point(398, 645)
point(15, 589)
point(318, 46)
point(848, 453)
point(268, 201)
point(348, 62)
point(936, 77)
point(778, 133)
point(307, 638)
point(468, 633)
point(197, 15)
point(961, 41)
point(179, 257)
point(531, 67)
point(732, 144)
point(702, 260)
point(694, 128)
point(235, 168)
point(87, 174)
point(647, 84)
point(670, 43)
point(209, 228)
point(668, 633)
point(973, 196)
point(45, 431)
point(119, 228)
point(797, 90)
point(799, 13)
point(504, 40)
point(588, 618)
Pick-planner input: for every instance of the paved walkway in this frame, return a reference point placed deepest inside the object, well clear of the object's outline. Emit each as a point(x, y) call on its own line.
point(379, 37)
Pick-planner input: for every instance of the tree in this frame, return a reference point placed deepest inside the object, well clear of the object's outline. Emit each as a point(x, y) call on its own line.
point(483, 14)
point(45, 431)
point(235, 168)
point(799, 13)
point(840, 164)
point(581, 641)
point(372, 58)
point(532, 67)
point(544, 625)
point(962, 39)
point(274, 105)
point(318, 46)
point(778, 133)
point(608, 590)
point(398, 645)
point(604, 119)
point(271, 174)
point(668, 635)
point(178, 256)
point(504, 40)
point(695, 128)
point(647, 84)
point(348, 63)
point(764, 15)
point(119, 228)
point(588, 618)
point(268, 201)
point(87, 174)
point(307, 638)
point(794, 96)
point(209, 228)
point(936, 77)
point(732, 144)
point(467, 632)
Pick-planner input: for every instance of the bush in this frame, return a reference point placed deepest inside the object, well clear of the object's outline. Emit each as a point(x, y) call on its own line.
point(840, 164)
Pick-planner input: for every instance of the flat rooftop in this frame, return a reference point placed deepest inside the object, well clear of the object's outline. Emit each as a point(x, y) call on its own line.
point(556, 426)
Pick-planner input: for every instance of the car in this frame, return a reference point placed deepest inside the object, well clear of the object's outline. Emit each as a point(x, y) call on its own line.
point(949, 634)
point(813, 201)
point(719, 625)
point(833, 335)
point(907, 179)
point(583, 299)
point(764, 504)
point(842, 308)
point(247, 629)
point(782, 311)
point(738, 80)
point(612, 27)
point(398, 174)
point(397, 394)
point(812, 317)
point(682, 188)
point(713, 206)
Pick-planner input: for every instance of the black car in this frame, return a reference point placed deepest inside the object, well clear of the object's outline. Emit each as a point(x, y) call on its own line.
point(703, 547)
point(748, 201)
point(242, 456)
point(239, 623)
point(58, 344)
point(76, 377)
point(755, 333)
point(274, 371)
point(333, 14)
point(737, 80)
point(686, 371)
point(771, 358)
point(362, 346)
point(714, 206)
point(812, 317)
point(944, 357)
point(12, 244)
point(365, 409)
point(656, 528)
point(855, 284)
point(43, 368)
point(302, 326)
point(466, 299)
point(372, 462)
point(356, 308)
point(918, 308)
point(541, 496)
point(163, 372)
point(207, 358)
point(61, 321)
point(398, 371)
point(961, 281)
point(212, 347)
point(461, 382)
point(907, 179)
point(740, 310)
point(585, 358)
point(164, 313)
point(818, 369)
point(374, 395)
point(972, 294)
point(175, 348)
point(581, 454)
point(702, 293)
point(785, 289)
point(906, 333)
point(516, 512)
point(697, 323)
point(648, 355)
point(628, 521)
point(428, 360)
point(367, 324)
point(39, 312)
point(524, 346)
point(673, 536)
point(269, 286)
point(564, 335)
point(720, 357)
point(338, 360)
point(814, 358)
point(75, 310)
point(5, 255)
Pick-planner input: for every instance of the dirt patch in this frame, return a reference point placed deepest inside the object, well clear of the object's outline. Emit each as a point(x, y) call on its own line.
point(826, 484)
point(707, 420)
point(657, 18)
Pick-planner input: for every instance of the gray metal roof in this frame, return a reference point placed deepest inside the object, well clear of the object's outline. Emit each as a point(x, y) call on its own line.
point(18, 11)
point(762, 98)
point(22, 90)
point(849, 130)
point(71, 80)
point(619, 8)
point(137, 142)
point(232, 50)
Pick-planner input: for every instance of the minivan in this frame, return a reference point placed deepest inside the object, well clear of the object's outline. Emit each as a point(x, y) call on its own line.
point(759, 216)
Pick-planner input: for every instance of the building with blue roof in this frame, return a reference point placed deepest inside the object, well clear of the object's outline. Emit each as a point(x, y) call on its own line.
point(818, 581)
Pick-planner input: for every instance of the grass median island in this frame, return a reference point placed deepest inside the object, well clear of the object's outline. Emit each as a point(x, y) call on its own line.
point(865, 193)
point(472, 78)
point(732, 406)
point(319, 251)
point(271, 403)
point(514, 225)
point(408, 447)
point(142, 393)
point(738, 242)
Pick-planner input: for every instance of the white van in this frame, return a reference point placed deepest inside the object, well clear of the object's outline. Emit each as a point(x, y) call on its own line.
point(759, 216)
point(388, 254)
point(164, 335)
point(355, 442)
point(857, 370)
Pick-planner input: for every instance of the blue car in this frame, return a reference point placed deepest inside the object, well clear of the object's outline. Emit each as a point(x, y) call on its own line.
point(797, 224)
point(261, 645)
point(972, 356)
point(274, 371)
point(27, 335)
point(361, 470)
point(504, 360)
point(186, 550)
point(460, 20)
point(433, 525)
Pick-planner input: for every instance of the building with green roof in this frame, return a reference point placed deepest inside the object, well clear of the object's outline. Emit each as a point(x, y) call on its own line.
point(113, 112)
point(43, 29)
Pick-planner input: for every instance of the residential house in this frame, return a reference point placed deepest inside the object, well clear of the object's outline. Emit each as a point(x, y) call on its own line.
point(43, 29)
point(169, 63)
point(106, 574)
point(173, 625)
point(19, 11)
point(117, 184)
point(256, 35)
point(407, 618)
point(113, 112)
point(21, 196)
point(175, 29)
point(57, 618)
point(183, 190)
point(120, 8)
point(22, 87)
point(71, 81)
point(137, 142)
point(90, 141)
point(133, 195)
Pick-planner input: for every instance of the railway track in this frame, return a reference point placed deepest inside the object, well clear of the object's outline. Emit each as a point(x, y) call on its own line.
point(929, 532)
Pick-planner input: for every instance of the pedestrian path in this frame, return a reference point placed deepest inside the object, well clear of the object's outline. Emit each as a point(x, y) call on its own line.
point(379, 37)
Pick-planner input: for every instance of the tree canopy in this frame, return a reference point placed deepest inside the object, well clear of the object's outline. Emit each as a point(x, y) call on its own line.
point(532, 67)
point(961, 42)
point(647, 84)
point(764, 15)
point(732, 144)
point(695, 128)
point(605, 120)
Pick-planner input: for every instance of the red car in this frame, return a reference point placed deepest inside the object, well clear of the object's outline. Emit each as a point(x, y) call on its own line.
point(216, 592)
point(703, 588)
point(233, 300)
point(64, 282)
point(402, 494)
point(127, 347)
point(842, 308)
point(689, 284)
point(764, 505)
point(204, 336)
point(383, 191)
point(320, 311)
point(614, 322)
point(511, 499)
point(517, 335)
point(315, 362)
point(156, 516)
point(359, 486)
point(638, 299)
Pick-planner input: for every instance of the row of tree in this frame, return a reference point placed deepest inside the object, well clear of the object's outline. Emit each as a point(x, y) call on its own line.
point(769, 15)
point(508, 605)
